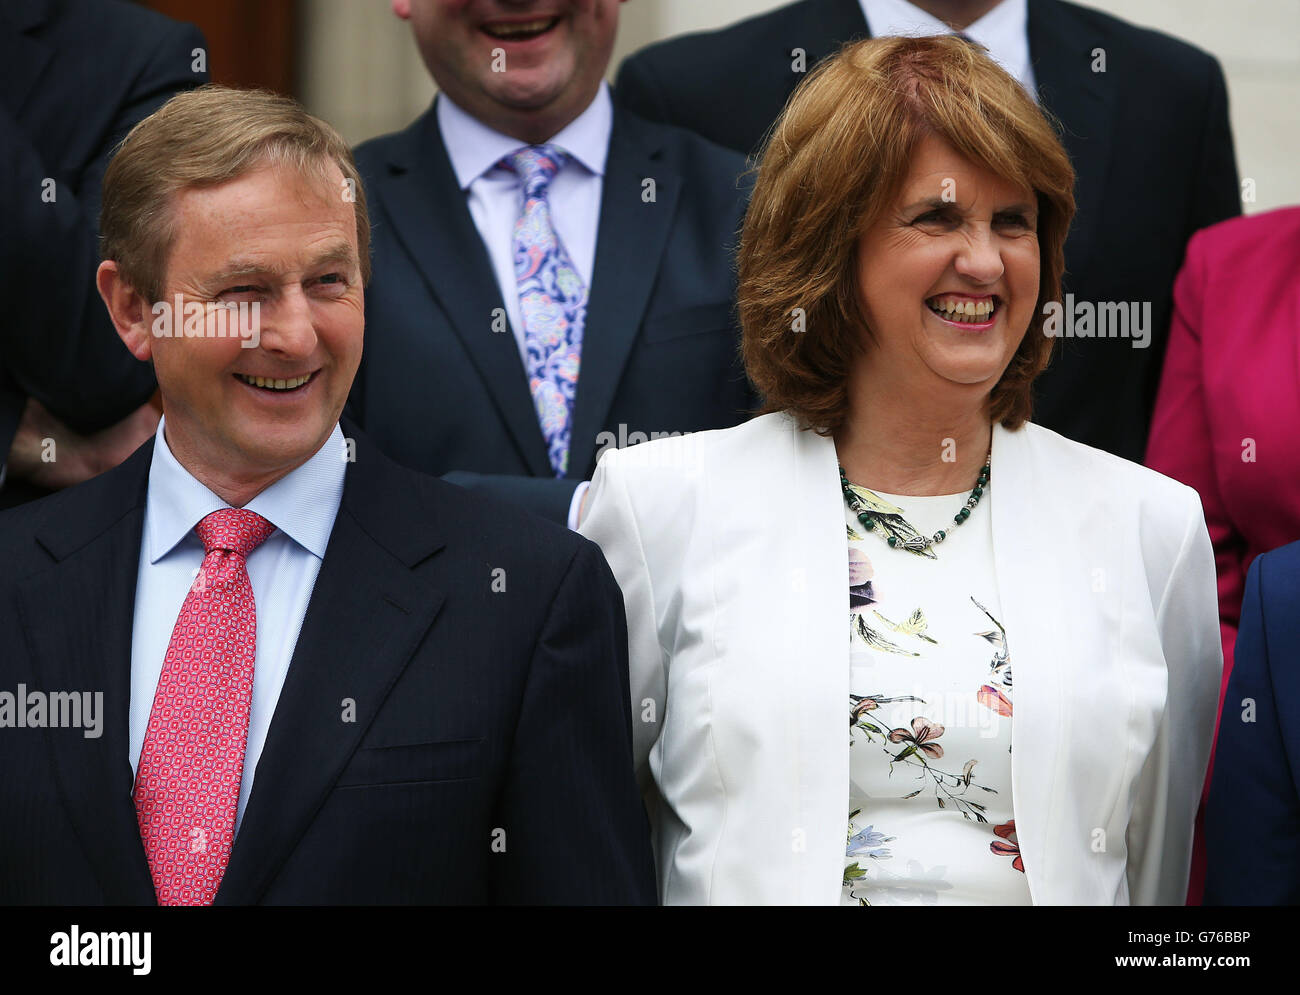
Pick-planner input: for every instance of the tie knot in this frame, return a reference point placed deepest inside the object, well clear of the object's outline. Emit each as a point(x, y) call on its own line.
point(234, 530)
point(536, 166)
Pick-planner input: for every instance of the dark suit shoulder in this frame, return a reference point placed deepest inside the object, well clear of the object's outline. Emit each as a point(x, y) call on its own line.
point(397, 500)
point(699, 49)
point(1279, 578)
point(67, 519)
point(1160, 53)
point(111, 38)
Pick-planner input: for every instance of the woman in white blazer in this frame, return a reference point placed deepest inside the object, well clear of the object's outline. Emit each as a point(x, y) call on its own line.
point(893, 540)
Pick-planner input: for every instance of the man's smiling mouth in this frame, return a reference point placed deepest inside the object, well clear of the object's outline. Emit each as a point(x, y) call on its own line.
point(520, 30)
point(274, 383)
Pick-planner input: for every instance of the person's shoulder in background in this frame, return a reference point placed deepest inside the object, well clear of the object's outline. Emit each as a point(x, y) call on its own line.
point(729, 83)
point(1239, 245)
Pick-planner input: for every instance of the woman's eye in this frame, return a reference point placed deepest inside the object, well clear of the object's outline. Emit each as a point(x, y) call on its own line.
point(1013, 220)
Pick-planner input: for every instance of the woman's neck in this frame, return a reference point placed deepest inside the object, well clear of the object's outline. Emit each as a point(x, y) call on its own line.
point(893, 444)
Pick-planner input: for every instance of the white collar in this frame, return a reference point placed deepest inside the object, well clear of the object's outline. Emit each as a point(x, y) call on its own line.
point(302, 504)
point(474, 148)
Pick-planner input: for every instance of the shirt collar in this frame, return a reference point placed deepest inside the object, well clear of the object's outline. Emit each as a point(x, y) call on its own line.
point(474, 148)
point(1004, 30)
point(302, 504)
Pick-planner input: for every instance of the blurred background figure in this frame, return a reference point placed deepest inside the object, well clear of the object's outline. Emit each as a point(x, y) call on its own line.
point(1228, 412)
point(78, 77)
point(552, 274)
point(1144, 118)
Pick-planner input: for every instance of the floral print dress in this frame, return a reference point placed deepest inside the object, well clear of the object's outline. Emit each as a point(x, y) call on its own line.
point(930, 816)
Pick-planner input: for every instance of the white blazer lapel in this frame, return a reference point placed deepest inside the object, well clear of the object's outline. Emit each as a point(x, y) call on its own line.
point(1057, 548)
point(1032, 596)
point(819, 544)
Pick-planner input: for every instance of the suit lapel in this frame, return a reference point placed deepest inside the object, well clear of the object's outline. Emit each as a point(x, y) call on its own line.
point(432, 220)
point(77, 618)
point(630, 243)
point(1083, 101)
point(368, 613)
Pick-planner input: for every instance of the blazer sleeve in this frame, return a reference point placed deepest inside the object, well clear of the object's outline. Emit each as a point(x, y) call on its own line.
point(611, 522)
point(1253, 816)
point(1159, 836)
point(1180, 445)
point(576, 831)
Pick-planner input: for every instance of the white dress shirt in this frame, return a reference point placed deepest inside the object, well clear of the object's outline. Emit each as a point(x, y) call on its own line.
point(1003, 31)
point(495, 194)
point(495, 198)
point(302, 506)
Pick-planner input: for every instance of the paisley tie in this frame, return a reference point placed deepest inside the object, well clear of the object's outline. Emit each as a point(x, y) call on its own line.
point(552, 301)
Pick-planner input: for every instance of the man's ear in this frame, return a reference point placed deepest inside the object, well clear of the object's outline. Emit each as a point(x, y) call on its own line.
point(127, 309)
point(402, 8)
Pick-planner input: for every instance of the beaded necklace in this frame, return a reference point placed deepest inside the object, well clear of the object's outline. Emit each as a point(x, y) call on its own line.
point(913, 543)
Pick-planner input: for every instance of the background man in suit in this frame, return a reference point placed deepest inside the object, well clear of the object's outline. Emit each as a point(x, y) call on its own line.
point(1144, 120)
point(78, 77)
point(554, 275)
point(432, 691)
point(1252, 822)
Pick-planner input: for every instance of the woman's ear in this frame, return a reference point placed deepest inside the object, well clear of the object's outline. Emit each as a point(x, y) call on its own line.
point(127, 309)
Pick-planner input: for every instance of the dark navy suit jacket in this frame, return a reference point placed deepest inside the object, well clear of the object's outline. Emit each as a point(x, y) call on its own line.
point(1252, 821)
point(441, 391)
point(490, 760)
point(77, 77)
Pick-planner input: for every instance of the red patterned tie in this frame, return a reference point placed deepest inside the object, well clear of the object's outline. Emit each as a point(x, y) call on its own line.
point(187, 783)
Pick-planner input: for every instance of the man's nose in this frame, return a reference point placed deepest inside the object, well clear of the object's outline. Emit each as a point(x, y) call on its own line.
point(287, 325)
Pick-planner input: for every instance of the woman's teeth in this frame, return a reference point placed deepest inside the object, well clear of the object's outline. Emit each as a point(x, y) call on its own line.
point(293, 384)
point(968, 312)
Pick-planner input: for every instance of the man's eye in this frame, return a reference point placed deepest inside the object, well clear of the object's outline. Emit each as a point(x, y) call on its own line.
point(333, 280)
point(244, 288)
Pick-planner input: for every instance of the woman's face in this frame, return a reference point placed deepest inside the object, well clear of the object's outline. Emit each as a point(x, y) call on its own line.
point(948, 277)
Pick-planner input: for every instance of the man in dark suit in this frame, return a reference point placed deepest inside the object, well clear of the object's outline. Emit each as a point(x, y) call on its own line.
point(1144, 119)
point(259, 662)
point(479, 363)
point(1252, 821)
point(78, 77)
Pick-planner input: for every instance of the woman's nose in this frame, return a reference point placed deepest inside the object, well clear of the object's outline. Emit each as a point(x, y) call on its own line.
point(981, 256)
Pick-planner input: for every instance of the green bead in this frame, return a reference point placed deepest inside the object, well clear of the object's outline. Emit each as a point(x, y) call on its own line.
point(941, 535)
point(869, 524)
point(893, 540)
point(865, 519)
point(978, 492)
